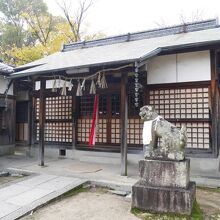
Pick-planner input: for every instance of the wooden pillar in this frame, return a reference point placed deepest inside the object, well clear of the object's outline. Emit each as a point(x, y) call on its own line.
point(123, 123)
point(214, 104)
point(42, 121)
point(33, 129)
point(30, 117)
point(74, 121)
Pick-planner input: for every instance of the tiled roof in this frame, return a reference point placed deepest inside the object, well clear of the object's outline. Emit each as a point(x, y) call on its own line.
point(120, 49)
point(4, 68)
point(160, 32)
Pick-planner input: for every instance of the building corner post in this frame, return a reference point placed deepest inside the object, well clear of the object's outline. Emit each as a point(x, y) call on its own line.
point(124, 122)
point(42, 121)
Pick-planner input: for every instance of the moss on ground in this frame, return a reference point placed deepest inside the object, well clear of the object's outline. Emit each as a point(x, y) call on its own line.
point(76, 191)
point(209, 189)
point(196, 214)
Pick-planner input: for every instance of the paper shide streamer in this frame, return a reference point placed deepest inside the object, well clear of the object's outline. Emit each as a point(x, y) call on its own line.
point(79, 90)
point(98, 79)
point(92, 88)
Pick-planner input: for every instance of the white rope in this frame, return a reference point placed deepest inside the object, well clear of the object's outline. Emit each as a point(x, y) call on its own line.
point(157, 119)
point(91, 76)
point(101, 81)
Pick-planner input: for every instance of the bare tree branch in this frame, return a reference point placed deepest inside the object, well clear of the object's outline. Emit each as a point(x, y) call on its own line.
point(75, 21)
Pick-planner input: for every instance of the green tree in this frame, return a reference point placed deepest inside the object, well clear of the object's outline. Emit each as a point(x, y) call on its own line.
point(14, 30)
point(29, 32)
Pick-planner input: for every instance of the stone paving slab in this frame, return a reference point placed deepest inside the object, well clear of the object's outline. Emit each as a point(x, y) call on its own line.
point(56, 184)
point(37, 180)
point(22, 197)
point(6, 209)
point(28, 197)
point(12, 190)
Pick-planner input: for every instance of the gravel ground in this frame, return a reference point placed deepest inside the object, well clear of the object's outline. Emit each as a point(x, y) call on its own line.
point(97, 204)
point(209, 202)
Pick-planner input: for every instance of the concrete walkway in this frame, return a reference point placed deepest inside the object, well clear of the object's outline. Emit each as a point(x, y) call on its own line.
point(19, 198)
point(61, 175)
point(55, 178)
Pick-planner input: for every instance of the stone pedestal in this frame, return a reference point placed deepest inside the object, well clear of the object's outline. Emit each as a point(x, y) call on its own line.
point(164, 187)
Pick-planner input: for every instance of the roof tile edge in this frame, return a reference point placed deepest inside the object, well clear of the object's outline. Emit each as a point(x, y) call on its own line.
point(159, 32)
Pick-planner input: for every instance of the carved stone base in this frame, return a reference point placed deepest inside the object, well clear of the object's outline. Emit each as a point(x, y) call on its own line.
point(163, 154)
point(165, 173)
point(163, 199)
point(164, 187)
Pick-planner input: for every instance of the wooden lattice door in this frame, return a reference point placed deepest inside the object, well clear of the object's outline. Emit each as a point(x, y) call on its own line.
point(108, 132)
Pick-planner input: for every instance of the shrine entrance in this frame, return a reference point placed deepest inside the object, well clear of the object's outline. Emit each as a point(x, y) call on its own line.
point(108, 132)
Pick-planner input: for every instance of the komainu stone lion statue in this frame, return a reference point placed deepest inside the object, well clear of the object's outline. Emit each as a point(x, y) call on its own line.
point(172, 140)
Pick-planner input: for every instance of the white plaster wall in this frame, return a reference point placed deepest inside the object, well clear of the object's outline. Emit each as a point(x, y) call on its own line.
point(3, 86)
point(194, 66)
point(162, 69)
point(184, 67)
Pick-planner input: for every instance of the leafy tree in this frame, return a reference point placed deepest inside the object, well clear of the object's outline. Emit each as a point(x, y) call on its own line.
point(15, 21)
point(29, 32)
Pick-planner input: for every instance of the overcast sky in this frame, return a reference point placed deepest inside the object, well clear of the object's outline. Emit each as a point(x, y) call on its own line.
point(122, 16)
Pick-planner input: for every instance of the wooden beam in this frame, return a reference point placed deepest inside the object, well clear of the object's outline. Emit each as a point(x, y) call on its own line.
point(123, 123)
point(214, 104)
point(42, 121)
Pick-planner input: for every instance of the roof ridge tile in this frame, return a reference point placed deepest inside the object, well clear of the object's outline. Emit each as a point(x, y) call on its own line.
point(153, 33)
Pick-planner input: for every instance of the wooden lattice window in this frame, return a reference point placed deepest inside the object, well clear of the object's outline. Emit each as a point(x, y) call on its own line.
point(86, 105)
point(83, 129)
point(58, 125)
point(115, 105)
point(59, 108)
point(188, 106)
point(102, 131)
point(198, 134)
point(134, 131)
point(115, 131)
point(135, 124)
point(103, 105)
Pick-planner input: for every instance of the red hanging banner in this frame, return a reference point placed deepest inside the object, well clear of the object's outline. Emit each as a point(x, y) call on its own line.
point(94, 127)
